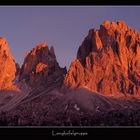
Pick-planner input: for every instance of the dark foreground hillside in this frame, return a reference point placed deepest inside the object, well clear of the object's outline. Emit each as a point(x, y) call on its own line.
point(91, 109)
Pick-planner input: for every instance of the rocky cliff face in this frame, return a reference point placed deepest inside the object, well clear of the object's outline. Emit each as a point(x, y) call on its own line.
point(41, 67)
point(108, 61)
point(7, 65)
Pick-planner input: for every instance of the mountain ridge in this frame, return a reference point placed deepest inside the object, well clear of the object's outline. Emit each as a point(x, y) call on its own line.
point(108, 56)
point(101, 87)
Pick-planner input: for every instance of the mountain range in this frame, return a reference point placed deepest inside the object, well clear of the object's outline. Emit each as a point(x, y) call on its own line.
point(101, 87)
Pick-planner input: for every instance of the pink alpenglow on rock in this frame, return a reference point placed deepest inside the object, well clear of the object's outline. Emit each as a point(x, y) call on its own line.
point(40, 66)
point(108, 61)
point(7, 65)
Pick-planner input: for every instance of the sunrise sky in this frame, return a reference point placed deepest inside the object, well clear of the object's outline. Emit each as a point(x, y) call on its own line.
point(64, 27)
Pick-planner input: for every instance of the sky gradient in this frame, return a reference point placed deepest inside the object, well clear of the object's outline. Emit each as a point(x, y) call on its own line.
point(63, 27)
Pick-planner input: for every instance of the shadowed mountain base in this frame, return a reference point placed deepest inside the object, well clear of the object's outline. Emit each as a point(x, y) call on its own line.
point(81, 107)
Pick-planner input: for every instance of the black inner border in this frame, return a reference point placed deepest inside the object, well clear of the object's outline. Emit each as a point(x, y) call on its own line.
point(43, 133)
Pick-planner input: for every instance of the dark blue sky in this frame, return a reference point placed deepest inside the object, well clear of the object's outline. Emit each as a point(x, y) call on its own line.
point(63, 27)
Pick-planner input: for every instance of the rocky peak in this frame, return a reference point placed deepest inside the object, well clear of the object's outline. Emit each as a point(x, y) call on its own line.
point(110, 59)
point(52, 51)
point(106, 24)
point(110, 25)
point(4, 48)
point(75, 75)
point(7, 65)
point(40, 66)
